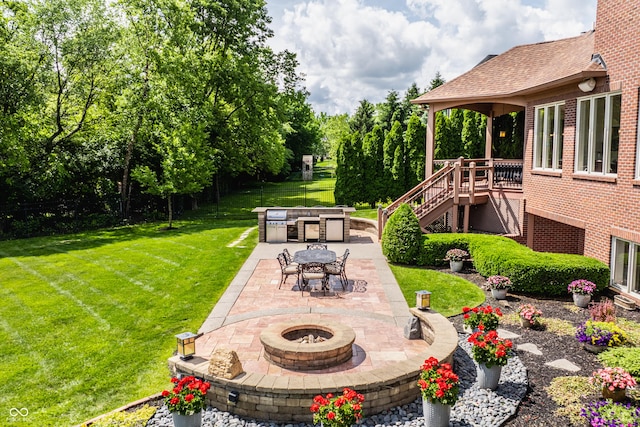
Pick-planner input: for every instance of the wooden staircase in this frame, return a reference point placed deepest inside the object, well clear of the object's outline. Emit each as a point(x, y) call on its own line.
point(459, 183)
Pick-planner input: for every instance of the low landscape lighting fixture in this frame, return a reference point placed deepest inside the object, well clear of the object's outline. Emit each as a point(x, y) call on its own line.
point(186, 345)
point(423, 300)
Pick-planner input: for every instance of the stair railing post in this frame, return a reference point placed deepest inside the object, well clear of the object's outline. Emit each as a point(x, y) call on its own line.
point(457, 175)
point(472, 182)
point(490, 174)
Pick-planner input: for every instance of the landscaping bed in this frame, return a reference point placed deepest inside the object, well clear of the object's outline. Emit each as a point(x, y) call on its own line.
point(538, 408)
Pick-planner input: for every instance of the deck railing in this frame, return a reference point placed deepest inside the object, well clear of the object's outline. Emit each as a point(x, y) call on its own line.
point(456, 178)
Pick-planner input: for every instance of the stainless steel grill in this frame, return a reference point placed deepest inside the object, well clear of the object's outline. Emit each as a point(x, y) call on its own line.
point(276, 225)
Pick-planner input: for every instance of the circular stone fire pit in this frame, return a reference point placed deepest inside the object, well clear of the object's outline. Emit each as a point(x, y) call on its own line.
point(282, 347)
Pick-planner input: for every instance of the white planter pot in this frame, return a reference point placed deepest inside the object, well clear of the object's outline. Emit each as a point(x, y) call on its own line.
point(456, 266)
point(193, 420)
point(499, 293)
point(488, 377)
point(435, 413)
point(581, 300)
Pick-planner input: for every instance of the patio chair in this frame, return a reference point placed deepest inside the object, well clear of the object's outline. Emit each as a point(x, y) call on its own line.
point(288, 257)
point(314, 246)
point(312, 271)
point(286, 269)
point(338, 269)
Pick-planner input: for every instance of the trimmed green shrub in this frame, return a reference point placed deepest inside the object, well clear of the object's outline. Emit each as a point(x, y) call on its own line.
point(531, 272)
point(402, 236)
point(627, 358)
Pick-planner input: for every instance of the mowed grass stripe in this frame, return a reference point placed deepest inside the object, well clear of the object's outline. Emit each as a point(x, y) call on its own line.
point(60, 290)
point(73, 369)
point(98, 261)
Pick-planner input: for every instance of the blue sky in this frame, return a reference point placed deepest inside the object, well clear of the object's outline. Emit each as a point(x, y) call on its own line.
point(351, 50)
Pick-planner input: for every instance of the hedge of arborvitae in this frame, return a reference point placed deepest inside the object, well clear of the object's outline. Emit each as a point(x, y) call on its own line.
point(531, 272)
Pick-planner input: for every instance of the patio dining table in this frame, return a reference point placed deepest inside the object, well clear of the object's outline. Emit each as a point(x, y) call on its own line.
point(323, 256)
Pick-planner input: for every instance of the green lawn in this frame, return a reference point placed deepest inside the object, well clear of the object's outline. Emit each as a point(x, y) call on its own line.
point(449, 293)
point(87, 321)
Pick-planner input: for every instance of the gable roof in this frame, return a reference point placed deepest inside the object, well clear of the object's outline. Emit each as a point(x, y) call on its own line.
point(522, 70)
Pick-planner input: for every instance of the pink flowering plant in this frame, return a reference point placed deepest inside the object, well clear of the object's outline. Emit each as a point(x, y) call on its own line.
point(613, 379)
point(582, 287)
point(343, 410)
point(438, 382)
point(498, 282)
point(456, 255)
point(187, 395)
point(530, 313)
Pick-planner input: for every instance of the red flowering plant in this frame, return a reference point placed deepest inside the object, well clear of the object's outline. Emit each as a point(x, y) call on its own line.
point(438, 382)
point(489, 349)
point(187, 396)
point(338, 411)
point(482, 318)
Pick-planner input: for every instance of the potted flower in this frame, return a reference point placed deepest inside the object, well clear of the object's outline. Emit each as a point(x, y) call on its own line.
point(613, 382)
point(609, 413)
point(529, 315)
point(186, 400)
point(582, 290)
point(439, 388)
point(456, 259)
point(338, 411)
point(499, 286)
point(481, 318)
point(491, 353)
point(598, 336)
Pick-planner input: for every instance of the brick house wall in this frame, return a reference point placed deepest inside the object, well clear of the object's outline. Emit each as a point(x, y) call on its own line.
point(559, 203)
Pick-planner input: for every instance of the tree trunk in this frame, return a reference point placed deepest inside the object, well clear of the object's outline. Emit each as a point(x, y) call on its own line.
point(170, 211)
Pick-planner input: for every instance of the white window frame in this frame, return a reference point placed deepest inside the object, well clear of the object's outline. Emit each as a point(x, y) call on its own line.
point(557, 134)
point(606, 148)
point(634, 252)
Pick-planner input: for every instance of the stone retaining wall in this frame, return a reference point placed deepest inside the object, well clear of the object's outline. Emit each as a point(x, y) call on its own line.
point(288, 398)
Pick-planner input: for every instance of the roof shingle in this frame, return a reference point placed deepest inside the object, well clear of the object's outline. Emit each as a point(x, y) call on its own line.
point(521, 69)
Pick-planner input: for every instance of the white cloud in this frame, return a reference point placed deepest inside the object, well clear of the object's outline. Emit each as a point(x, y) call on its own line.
point(355, 49)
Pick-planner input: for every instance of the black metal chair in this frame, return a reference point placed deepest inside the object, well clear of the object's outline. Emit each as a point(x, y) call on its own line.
point(314, 246)
point(312, 271)
point(288, 257)
point(286, 269)
point(338, 269)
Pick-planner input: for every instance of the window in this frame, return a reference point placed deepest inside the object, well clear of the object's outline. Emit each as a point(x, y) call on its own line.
point(625, 266)
point(598, 134)
point(549, 134)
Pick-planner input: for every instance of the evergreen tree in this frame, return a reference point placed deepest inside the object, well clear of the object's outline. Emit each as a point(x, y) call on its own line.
point(363, 120)
point(398, 171)
point(436, 81)
point(414, 139)
point(392, 141)
point(373, 154)
point(472, 141)
point(409, 109)
point(389, 110)
point(444, 148)
point(349, 174)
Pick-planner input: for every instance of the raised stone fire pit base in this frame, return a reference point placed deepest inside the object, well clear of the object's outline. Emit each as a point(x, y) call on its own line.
point(282, 346)
point(286, 397)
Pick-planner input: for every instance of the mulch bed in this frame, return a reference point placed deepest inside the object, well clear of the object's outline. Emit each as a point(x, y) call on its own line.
point(538, 409)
